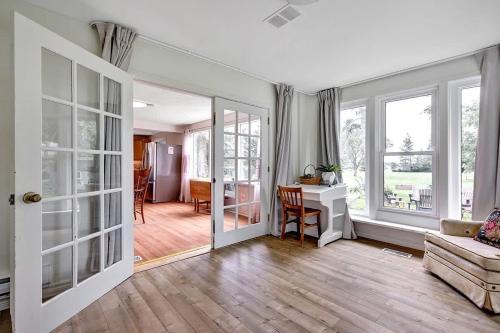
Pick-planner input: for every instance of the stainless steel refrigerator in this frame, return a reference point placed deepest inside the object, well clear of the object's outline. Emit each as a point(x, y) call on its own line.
point(165, 179)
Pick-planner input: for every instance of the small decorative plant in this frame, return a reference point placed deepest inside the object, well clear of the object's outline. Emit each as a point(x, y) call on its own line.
point(329, 173)
point(329, 168)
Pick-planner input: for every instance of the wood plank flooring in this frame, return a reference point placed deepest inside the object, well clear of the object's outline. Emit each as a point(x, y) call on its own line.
point(268, 285)
point(174, 227)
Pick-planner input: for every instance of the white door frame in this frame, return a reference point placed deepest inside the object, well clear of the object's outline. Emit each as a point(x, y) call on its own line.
point(219, 237)
point(27, 311)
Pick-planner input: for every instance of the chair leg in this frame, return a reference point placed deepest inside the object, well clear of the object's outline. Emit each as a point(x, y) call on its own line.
point(318, 221)
point(283, 225)
point(142, 212)
point(302, 231)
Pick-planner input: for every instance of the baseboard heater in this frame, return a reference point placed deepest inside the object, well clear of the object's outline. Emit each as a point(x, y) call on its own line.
point(4, 293)
point(397, 253)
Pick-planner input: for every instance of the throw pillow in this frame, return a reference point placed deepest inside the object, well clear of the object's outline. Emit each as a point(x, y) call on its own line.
point(490, 230)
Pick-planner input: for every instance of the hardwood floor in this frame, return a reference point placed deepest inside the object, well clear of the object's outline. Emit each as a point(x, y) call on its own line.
point(170, 228)
point(175, 227)
point(268, 285)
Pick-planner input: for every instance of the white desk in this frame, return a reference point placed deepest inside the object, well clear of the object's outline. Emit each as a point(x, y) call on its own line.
point(331, 201)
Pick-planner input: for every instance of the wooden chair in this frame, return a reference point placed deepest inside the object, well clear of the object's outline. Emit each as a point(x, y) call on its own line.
point(292, 204)
point(140, 191)
point(201, 192)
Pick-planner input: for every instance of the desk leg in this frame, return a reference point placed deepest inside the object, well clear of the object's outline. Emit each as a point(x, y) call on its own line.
point(329, 234)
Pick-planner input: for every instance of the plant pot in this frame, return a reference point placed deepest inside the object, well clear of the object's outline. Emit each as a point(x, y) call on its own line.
point(328, 177)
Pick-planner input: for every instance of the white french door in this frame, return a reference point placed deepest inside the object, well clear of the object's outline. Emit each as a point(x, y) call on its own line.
point(241, 172)
point(73, 210)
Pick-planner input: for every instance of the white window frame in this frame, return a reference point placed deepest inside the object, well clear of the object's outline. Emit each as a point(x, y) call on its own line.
point(192, 160)
point(351, 105)
point(380, 121)
point(455, 141)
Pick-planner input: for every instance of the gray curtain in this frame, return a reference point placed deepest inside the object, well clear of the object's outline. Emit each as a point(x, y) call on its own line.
point(487, 170)
point(116, 47)
point(282, 172)
point(329, 108)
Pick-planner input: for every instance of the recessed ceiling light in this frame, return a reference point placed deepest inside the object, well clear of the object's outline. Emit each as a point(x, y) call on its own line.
point(141, 105)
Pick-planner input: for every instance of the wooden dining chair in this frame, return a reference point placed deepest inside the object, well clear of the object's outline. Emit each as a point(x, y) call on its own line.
point(140, 191)
point(292, 203)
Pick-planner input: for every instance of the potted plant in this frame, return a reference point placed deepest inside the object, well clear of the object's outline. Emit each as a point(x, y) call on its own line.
point(329, 173)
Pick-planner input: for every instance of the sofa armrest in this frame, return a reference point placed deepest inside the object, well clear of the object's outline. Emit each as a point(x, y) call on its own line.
point(459, 228)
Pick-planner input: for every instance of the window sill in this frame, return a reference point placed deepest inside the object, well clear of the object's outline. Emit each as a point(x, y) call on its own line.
point(390, 225)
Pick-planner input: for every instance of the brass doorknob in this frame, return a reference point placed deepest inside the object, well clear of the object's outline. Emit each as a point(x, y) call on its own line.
point(30, 197)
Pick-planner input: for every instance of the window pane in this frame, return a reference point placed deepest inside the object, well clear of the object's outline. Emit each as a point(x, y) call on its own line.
point(56, 173)
point(57, 223)
point(112, 171)
point(112, 96)
point(201, 160)
point(408, 182)
point(88, 130)
point(352, 146)
point(470, 124)
point(87, 173)
point(88, 258)
point(112, 209)
point(243, 146)
point(112, 247)
point(409, 124)
point(57, 272)
point(88, 87)
point(229, 145)
point(112, 134)
point(56, 125)
point(88, 215)
point(56, 75)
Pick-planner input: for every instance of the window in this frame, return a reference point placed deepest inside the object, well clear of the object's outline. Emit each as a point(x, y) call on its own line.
point(352, 154)
point(201, 154)
point(407, 154)
point(469, 123)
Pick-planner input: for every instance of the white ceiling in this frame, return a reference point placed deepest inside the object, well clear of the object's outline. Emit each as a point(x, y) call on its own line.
point(333, 42)
point(170, 107)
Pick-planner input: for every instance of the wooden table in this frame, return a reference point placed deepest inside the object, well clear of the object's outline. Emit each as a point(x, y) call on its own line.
point(331, 201)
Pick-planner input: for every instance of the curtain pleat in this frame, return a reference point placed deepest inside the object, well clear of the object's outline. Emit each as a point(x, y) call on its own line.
point(329, 110)
point(486, 195)
point(282, 172)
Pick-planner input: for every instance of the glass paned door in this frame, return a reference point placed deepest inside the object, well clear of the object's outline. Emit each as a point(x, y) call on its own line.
point(241, 172)
point(73, 230)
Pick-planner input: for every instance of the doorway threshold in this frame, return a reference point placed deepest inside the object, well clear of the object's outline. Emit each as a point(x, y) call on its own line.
point(153, 263)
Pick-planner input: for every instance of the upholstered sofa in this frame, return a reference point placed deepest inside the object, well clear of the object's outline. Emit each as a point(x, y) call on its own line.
point(471, 267)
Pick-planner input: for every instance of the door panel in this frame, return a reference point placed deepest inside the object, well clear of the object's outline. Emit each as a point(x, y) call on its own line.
point(76, 243)
point(241, 172)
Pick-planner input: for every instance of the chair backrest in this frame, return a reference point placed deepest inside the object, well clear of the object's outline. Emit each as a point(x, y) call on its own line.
point(142, 180)
point(425, 198)
point(291, 197)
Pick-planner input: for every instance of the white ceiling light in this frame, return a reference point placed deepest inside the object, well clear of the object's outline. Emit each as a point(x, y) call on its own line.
point(301, 2)
point(140, 105)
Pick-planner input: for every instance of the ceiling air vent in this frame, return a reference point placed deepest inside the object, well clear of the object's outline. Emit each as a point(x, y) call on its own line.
point(282, 16)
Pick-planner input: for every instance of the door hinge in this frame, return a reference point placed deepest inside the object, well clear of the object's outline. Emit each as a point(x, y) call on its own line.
point(213, 180)
point(214, 118)
point(268, 120)
point(12, 200)
point(268, 168)
point(268, 217)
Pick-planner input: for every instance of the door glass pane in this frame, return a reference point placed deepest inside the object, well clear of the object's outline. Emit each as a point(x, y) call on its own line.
point(88, 217)
point(229, 193)
point(229, 145)
point(255, 125)
point(56, 173)
point(243, 216)
point(112, 96)
point(87, 172)
point(56, 75)
point(229, 121)
point(201, 154)
point(112, 247)
point(243, 146)
point(255, 189)
point(243, 124)
point(408, 182)
point(255, 169)
point(88, 130)
point(57, 272)
point(243, 169)
point(112, 171)
point(56, 125)
point(404, 135)
point(87, 87)
point(470, 124)
point(112, 209)
point(57, 223)
point(229, 219)
point(229, 169)
point(88, 258)
point(255, 213)
point(112, 134)
point(254, 146)
point(244, 192)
